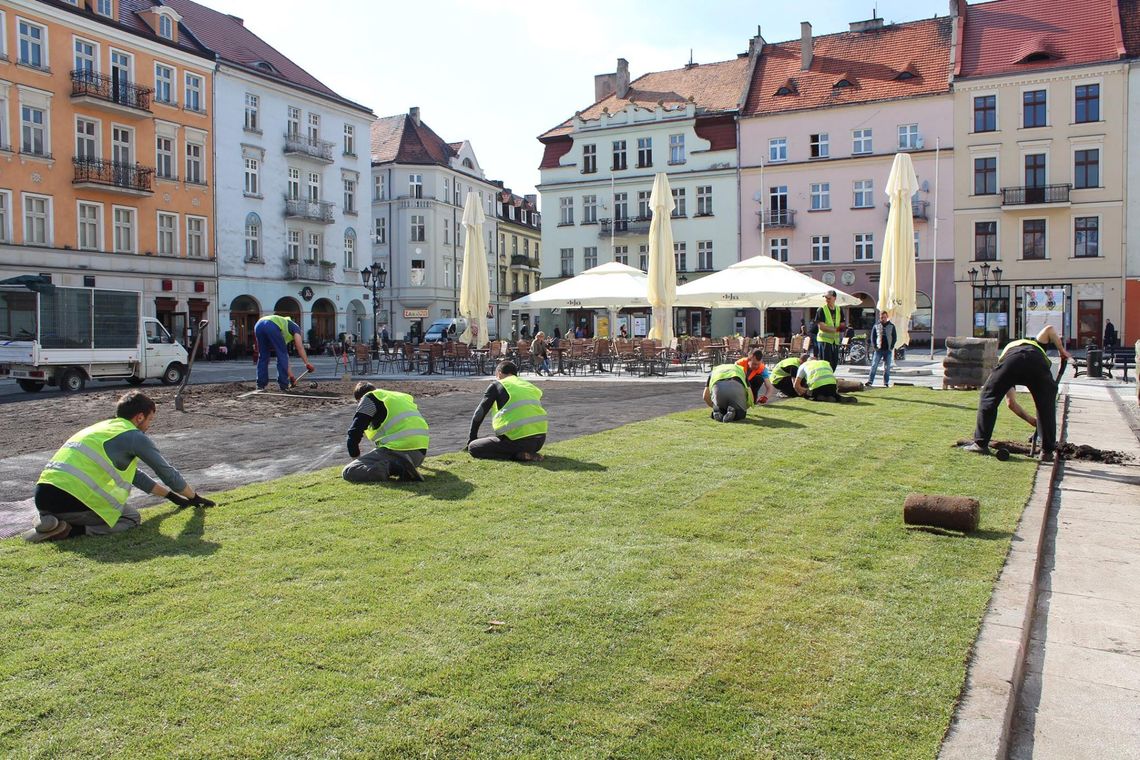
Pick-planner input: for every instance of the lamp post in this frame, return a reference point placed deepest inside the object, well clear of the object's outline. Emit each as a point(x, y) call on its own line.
point(377, 275)
point(985, 289)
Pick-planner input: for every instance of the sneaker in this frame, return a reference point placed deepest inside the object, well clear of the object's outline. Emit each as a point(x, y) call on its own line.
point(718, 415)
point(59, 531)
point(411, 475)
point(1046, 456)
point(976, 448)
point(729, 415)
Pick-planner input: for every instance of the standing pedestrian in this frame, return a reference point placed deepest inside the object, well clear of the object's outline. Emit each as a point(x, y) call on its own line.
point(883, 339)
point(829, 320)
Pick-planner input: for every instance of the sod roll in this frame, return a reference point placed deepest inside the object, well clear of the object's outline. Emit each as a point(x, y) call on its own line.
point(950, 512)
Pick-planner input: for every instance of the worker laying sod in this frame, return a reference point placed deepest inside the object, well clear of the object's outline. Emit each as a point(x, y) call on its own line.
point(661, 589)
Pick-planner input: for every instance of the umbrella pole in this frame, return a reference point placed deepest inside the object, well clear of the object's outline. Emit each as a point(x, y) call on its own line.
point(934, 257)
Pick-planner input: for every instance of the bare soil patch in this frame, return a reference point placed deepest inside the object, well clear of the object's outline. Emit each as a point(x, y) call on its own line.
point(1066, 450)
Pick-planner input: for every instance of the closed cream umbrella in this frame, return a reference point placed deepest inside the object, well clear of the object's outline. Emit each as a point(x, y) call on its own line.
point(896, 273)
point(662, 290)
point(475, 292)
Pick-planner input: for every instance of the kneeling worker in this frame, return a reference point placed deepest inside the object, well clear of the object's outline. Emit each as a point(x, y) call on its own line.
point(84, 488)
point(728, 394)
point(519, 424)
point(756, 375)
point(393, 422)
point(784, 374)
point(816, 381)
point(1022, 362)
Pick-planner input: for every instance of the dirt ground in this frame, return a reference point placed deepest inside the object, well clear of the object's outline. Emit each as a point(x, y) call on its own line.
point(1066, 450)
point(206, 406)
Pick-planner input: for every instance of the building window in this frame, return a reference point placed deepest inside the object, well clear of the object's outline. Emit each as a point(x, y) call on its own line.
point(820, 147)
point(619, 155)
point(864, 246)
point(621, 254)
point(252, 120)
point(864, 193)
point(418, 272)
point(163, 83)
point(589, 257)
point(252, 237)
point(861, 141)
point(457, 194)
point(33, 130)
point(416, 185)
point(908, 137)
point(313, 250)
point(1035, 170)
point(589, 209)
point(378, 188)
point(778, 249)
point(1087, 103)
point(314, 187)
point(1086, 240)
point(704, 255)
point(293, 184)
point(821, 196)
point(777, 149)
point(90, 237)
point(679, 209)
point(589, 159)
point(349, 140)
point(85, 55)
point(704, 200)
point(381, 231)
point(985, 241)
point(196, 237)
point(820, 249)
point(916, 246)
point(417, 227)
point(677, 149)
point(446, 227)
point(5, 216)
point(86, 139)
point(32, 39)
point(293, 122)
point(314, 127)
point(104, 7)
point(985, 176)
point(293, 246)
point(193, 99)
point(1086, 168)
point(643, 257)
point(167, 234)
point(643, 210)
point(1033, 109)
point(350, 249)
point(566, 210)
point(194, 163)
point(567, 262)
point(985, 113)
point(514, 245)
point(644, 152)
point(164, 157)
point(37, 220)
point(1033, 239)
point(165, 27)
point(124, 229)
point(349, 195)
point(679, 251)
point(252, 177)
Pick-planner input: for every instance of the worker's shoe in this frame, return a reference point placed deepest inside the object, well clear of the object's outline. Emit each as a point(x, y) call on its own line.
point(1046, 456)
point(717, 415)
point(49, 529)
point(729, 414)
point(976, 448)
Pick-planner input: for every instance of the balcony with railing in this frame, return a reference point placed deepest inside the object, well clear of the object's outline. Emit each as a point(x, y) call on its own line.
point(1036, 195)
point(114, 93)
point(133, 179)
point(313, 211)
point(618, 227)
point(918, 209)
point(308, 147)
point(517, 294)
point(524, 261)
point(777, 218)
point(307, 271)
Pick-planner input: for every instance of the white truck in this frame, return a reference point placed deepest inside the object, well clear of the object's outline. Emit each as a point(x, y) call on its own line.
point(66, 336)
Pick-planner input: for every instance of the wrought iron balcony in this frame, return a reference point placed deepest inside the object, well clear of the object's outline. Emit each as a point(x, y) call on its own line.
point(117, 92)
point(1024, 196)
point(310, 271)
point(918, 209)
point(321, 150)
point(524, 261)
point(778, 218)
point(516, 294)
point(130, 178)
point(314, 211)
point(628, 226)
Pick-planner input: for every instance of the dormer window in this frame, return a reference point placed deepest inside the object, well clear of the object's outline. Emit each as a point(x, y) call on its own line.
point(841, 84)
point(1036, 57)
point(104, 8)
point(265, 66)
point(165, 27)
point(784, 91)
point(905, 75)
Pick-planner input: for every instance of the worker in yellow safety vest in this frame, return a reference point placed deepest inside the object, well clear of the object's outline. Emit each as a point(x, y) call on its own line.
point(727, 392)
point(816, 381)
point(784, 374)
point(519, 422)
point(85, 486)
point(393, 422)
point(829, 319)
point(273, 333)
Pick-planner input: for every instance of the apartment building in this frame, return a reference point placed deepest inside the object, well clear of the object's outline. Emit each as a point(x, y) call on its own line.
point(520, 270)
point(106, 152)
point(824, 117)
point(420, 183)
point(1040, 99)
point(597, 174)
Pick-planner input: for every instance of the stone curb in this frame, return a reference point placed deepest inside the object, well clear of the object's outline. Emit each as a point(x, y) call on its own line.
point(983, 718)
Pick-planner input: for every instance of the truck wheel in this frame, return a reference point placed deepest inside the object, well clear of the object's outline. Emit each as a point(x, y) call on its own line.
point(135, 380)
point(30, 386)
point(173, 374)
point(72, 381)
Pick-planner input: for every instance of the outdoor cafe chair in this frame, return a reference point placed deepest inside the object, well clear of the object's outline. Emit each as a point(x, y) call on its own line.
point(361, 360)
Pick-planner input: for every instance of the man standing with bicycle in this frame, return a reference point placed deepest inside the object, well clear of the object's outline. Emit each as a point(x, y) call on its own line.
point(882, 344)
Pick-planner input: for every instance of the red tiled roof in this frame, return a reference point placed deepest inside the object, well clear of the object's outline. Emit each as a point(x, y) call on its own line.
point(399, 138)
point(130, 16)
point(554, 149)
point(1130, 26)
point(720, 131)
point(711, 87)
point(228, 37)
point(999, 35)
point(870, 61)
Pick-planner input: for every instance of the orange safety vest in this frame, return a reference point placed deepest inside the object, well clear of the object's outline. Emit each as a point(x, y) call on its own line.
point(743, 364)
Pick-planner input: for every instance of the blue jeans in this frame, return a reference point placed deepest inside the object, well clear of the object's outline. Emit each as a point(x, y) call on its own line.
point(269, 338)
point(886, 356)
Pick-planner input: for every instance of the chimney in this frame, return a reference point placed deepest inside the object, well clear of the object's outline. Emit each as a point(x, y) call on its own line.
point(622, 77)
point(866, 26)
point(805, 45)
point(604, 86)
point(756, 44)
point(414, 112)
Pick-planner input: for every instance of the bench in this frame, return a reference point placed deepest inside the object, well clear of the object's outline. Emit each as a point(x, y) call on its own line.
point(1118, 358)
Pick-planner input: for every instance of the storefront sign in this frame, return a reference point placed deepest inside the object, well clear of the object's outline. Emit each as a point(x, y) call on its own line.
point(415, 313)
point(1044, 306)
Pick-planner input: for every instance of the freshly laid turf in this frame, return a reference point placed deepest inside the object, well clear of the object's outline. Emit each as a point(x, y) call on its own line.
point(673, 588)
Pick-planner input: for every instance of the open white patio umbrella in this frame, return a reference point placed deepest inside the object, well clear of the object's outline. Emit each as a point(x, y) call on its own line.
point(662, 265)
point(475, 291)
point(609, 286)
point(759, 282)
point(896, 278)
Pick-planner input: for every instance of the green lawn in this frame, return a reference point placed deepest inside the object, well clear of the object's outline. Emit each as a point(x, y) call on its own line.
point(673, 588)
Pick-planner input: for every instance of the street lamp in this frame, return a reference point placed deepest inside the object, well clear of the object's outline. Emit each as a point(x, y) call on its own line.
point(986, 288)
point(377, 274)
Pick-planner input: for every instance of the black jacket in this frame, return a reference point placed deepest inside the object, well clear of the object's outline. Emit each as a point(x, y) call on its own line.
point(889, 337)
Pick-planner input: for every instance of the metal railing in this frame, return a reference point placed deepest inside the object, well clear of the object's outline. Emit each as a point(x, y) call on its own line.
point(1021, 196)
point(320, 149)
point(918, 209)
point(523, 261)
point(307, 270)
point(627, 226)
point(778, 218)
point(301, 208)
point(113, 174)
point(110, 89)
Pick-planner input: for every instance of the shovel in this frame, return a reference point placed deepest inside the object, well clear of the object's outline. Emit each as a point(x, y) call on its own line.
point(190, 365)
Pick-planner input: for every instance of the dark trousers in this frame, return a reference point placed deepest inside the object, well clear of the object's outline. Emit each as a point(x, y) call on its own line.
point(1024, 365)
point(829, 352)
point(829, 393)
point(787, 386)
point(269, 338)
point(378, 465)
point(500, 447)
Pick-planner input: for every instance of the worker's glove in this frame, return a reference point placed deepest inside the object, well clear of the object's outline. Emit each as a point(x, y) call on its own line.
point(177, 498)
point(199, 500)
point(762, 400)
point(310, 367)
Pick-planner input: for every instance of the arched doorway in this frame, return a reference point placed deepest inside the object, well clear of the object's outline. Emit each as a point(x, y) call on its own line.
point(324, 321)
point(288, 307)
point(359, 320)
point(244, 313)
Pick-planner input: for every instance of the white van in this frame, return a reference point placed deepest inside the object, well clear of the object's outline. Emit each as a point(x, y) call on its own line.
point(445, 329)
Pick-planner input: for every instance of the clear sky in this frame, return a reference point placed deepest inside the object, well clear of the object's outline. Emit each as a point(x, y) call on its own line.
point(499, 74)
